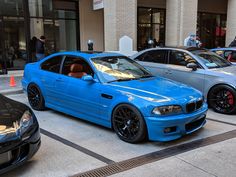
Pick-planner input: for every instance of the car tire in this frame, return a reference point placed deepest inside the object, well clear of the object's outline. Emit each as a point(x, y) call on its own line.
point(129, 124)
point(35, 97)
point(222, 98)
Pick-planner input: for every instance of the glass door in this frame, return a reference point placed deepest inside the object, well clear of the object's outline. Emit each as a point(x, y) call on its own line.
point(2, 62)
point(14, 43)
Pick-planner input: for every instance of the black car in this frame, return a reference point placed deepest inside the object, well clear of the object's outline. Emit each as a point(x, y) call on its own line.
point(19, 134)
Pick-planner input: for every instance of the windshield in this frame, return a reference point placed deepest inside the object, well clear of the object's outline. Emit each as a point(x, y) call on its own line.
point(211, 60)
point(119, 68)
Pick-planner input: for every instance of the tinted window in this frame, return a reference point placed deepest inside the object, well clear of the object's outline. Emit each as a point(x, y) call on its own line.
point(234, 55)
point(227, 53)
point(52, 64)
point(211, 60)
point(180, 58)
point(155, 56)
point(70, 60)
point(219, 52)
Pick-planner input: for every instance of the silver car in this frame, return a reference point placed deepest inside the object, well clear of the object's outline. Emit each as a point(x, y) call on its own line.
point(199, 68)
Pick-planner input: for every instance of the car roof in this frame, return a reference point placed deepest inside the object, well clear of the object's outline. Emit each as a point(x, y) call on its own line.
point(224, 48)
point(190, 49)
point(177, 47)
point(89, 54)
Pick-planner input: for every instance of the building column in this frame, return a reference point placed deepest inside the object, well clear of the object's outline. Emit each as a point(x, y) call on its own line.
point(181, 19)
point(120, 19)
point(231, 22)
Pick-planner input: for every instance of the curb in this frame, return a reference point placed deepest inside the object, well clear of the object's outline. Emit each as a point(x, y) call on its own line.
point(12, 92)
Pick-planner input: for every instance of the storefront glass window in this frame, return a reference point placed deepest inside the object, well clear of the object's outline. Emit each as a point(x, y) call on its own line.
point(66, 14)
point(57, 20)
point(212, 29)
point(61, 30)
point(40, 8)
point(65, 35)
point(14, 42)
point(151, 25)
point(11, 8)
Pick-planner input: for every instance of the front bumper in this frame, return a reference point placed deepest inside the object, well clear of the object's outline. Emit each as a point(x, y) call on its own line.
point(21, 151)
point(173, 127)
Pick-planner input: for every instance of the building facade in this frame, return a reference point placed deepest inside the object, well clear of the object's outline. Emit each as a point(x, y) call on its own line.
point(69, 24)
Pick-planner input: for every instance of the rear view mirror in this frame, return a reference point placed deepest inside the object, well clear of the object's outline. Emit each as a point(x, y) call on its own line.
point(193, 66)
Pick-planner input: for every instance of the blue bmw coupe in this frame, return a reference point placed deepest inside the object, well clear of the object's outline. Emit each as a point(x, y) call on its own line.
point(116, 92)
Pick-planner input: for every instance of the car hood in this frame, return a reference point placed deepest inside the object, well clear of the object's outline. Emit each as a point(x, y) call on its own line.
point(158, 90)
point(10, 111)
point(231, 70)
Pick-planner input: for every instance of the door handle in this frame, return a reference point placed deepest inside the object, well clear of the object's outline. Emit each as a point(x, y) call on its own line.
point(59, 80)
point(168, 72)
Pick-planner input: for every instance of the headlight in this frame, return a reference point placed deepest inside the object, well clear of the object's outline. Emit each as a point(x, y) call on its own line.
point(26, 121)
point(167, 110)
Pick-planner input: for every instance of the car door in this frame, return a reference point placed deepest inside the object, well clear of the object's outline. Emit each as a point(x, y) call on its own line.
point(77, 95)
point(177, 70)
point(50, 72)
point(154, 61)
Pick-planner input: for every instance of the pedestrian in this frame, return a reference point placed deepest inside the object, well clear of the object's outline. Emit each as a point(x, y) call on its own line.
point(40, 49)
point(32, 48)
point(186, 40)
point(198, 42)
point(233, 43)
point(192, 41)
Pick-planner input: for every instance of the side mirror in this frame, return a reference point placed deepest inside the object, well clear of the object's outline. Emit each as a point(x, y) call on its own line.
point(193, 66)
point(87, 78)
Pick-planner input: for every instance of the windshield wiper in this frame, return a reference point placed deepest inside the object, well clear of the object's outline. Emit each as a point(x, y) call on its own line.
point(119, 80)
point(146, 76)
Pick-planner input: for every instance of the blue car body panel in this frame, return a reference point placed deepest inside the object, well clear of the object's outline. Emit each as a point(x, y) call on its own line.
point(83, 99)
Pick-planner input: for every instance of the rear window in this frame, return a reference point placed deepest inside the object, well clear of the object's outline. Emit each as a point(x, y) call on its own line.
point(155, 56)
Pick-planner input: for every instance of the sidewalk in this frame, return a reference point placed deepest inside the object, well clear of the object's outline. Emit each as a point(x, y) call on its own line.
point(5, 87)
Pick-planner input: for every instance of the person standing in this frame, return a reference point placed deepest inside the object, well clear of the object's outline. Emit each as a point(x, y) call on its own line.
point(186, 41)
point(233, 43)
point(32, 49)
point(192, 41)
point(40, 49)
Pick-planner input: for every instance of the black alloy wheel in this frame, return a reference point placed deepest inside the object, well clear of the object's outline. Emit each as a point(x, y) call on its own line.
point(35, 97)
point(222, 99)
point(129, 124)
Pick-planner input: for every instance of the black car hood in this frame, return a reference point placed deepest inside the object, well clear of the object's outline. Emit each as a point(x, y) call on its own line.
point(10, 110)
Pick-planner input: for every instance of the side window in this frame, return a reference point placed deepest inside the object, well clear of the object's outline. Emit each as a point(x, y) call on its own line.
point(52, 65)
point(230, 56)
point(227, 53)
point(233, 59)
point(220, 52)
point(76, 67)
point(180, 58)
point(155, 56)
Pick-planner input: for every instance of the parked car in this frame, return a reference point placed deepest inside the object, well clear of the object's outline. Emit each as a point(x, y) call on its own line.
point(229, 53)
point(199, 68)
point(19, 134)
point(116, 92)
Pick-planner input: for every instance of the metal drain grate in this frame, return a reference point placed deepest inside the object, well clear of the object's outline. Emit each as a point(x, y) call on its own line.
point(155, 156)
point(101, 172)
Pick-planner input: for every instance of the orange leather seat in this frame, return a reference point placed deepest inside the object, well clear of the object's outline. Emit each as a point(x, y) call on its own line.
point(76, 70)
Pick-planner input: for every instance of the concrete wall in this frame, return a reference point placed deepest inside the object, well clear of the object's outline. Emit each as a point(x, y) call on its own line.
point(213, 6)
point(120, 18)
point(181, 19)
point(91, 25)
point(231, 22)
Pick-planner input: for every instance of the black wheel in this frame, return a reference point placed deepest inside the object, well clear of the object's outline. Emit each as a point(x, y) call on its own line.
point(222, 99)
point(35, 97)
point(129, 124)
